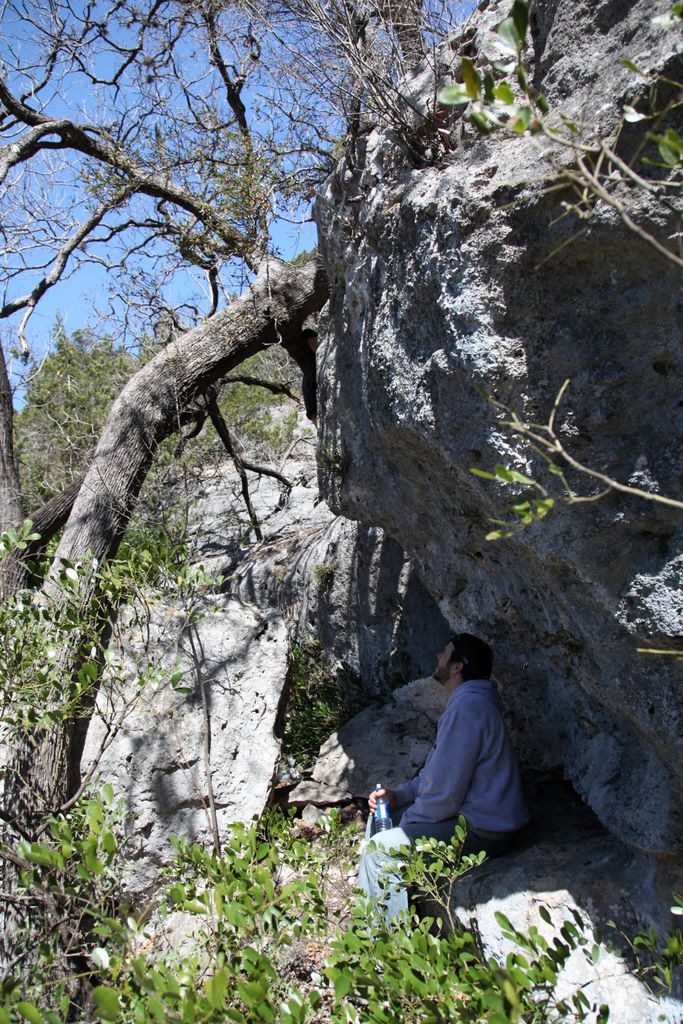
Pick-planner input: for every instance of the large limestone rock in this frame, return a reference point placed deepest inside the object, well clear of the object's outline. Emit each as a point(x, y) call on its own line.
point(592, 877)
point(344, 583)
point(204, 754)
point(450, 280)
point(193, 758)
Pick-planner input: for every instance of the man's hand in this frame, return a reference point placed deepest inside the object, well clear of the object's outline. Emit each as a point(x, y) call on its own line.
point(390, 795)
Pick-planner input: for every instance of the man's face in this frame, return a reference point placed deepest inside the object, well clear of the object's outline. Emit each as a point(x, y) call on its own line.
point(443, 670)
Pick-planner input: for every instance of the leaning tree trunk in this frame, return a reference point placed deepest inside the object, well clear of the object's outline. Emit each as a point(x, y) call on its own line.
point(41, 779)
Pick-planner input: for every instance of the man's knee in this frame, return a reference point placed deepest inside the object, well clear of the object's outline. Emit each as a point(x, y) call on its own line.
point(383, 843)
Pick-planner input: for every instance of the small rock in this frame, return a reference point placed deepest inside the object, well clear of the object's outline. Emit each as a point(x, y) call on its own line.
point(311, 814)
point(318, 794)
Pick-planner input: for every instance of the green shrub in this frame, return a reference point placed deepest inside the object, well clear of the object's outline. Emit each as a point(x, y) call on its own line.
point(266, 893)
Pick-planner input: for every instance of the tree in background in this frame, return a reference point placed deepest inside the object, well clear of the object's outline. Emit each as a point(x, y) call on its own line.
point(127, 143)
point(67, 398)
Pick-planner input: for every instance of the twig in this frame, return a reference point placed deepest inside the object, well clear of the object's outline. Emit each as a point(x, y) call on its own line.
point(213, 817)
point(221, 427)
point(545, 437)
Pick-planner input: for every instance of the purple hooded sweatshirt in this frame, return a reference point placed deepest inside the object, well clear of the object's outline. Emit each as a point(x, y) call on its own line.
point(471, 769)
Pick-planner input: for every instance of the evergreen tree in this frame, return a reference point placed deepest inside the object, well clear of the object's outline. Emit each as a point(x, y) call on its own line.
point(68, 397)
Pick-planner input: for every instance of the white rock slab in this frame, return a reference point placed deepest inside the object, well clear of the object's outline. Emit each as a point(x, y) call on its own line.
point(308, 792)
point(234, 663)
point(598, 878)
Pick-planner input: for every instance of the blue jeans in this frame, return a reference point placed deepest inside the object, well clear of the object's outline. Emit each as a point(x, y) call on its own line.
point(375, 875)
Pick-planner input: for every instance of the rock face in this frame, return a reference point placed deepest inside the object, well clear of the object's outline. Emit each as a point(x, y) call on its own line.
point(454, 279)
point(194, 758)
point(347, 584)
point(205, 754)
point(592, 878)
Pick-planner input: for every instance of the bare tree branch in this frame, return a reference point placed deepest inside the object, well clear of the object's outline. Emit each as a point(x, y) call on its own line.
point(221, 427)
point(258, 382)
point(31, 299)
point(92, 141)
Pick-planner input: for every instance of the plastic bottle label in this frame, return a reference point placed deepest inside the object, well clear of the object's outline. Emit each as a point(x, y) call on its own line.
point(382, 811)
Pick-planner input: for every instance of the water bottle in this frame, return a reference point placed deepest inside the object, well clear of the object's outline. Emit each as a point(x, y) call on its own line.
point(382, 817)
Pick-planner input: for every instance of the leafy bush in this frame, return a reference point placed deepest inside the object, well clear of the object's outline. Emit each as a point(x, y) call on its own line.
point(266, 892)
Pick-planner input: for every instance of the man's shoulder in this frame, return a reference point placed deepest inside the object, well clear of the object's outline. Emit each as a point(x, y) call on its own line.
point(476, 694)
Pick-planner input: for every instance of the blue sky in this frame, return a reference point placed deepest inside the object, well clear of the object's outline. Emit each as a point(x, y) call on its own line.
point(72, 300)
point(82, 299)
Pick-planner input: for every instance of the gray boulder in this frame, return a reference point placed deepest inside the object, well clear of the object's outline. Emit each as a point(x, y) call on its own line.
point(469, 277)
point(593, 878)
point(385, 744)
point(192, 759)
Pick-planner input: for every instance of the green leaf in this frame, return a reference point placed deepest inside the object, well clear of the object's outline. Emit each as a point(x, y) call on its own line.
point(522, 121)
point(109, 842)
point(482, 473)
point(479, 120)
point(508, 36)
point(194, 907)
point(471, 78)
point(156, 1008)
point(251, 992)
point(504, 93)
point(670, 146)
point(520, 17)
point(542, 103)
point(107, 1002)
point(510, 993)
point(30, 1012)
point(668, 155)
point(216, 989)
point(543, 506)
point(633, 67)
point(177, 893)
point(521, 478)
point(342, 981)
point(451, 95)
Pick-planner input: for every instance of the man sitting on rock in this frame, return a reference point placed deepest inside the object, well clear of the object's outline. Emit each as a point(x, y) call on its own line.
point(471, 770)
